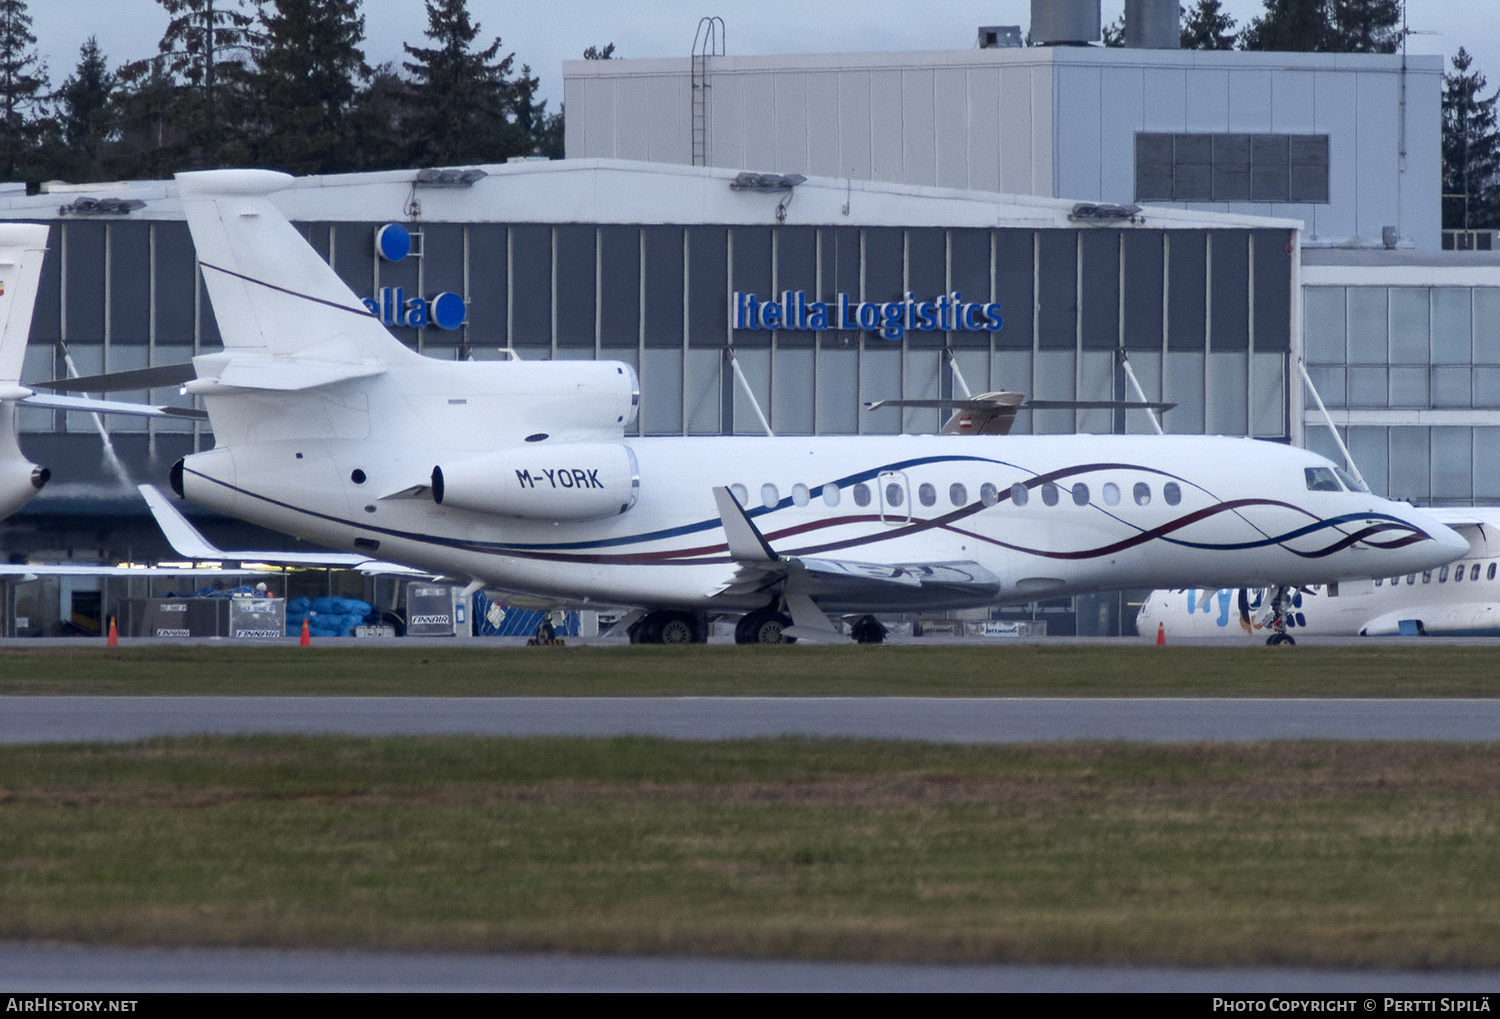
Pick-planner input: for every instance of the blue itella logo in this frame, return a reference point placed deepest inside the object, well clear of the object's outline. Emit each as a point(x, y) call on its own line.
point(393, 242)
point(890, 319)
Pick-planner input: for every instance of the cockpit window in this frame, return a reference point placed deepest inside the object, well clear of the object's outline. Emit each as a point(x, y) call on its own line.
point(1352, 483)
point(1322, 479)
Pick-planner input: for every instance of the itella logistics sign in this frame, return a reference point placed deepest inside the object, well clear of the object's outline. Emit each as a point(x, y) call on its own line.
point(393, 307)
point(890, 319)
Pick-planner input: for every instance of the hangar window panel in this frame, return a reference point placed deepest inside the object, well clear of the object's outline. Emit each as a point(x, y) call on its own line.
point(1273, 289)
point(1187, 289)
point(1014, 287)
point(487, 283)
point(1231, 290)
point(838, 391)
point(1487, 325)
point(175, 269)
point(661, 391)
point(575, 285)
point(1230, 167)
point(1452, 463)
point(703, 381)
point(1451, 386)
point(1192, 170)
point(792, 394)
point(708, 281)
point(1487, 387)
point(1368, 325)
point(881, 371)
point(1409, 464)
point(751, 252)
point(130, 283)
point(85, 269)
point(1452, 332)
point(46, 315)
point(531, 274)
point(1182, 384)
point(927, 278)
point(1228, 387)
point(1268, 413)
point(756, 366)
point(1231, 161)
point(620, 286)
point(1270, 168)
point(1409, 325)
point(1058, 289)
point(1368, 387)
point(1487, 464)
point(885, 264)
point(663, 252)
point(1409, 387)
point(354, 255)
point(1308, 158)
point(841, 260)
point(1054, 380)
point(442, 273)
point(1101, 288)
point(1143, 283)
point(1153, 168)
point(1322, 325)
point(1370, 448)
point(796, 269)
point(1329, 382)
point(969, 274)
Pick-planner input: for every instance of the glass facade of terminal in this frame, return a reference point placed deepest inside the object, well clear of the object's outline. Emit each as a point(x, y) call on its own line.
point(1412, 375)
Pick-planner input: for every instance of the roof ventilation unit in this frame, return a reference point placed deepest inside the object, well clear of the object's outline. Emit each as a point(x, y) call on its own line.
point(1152, 25)
point(999, 37)
point(1064, 22)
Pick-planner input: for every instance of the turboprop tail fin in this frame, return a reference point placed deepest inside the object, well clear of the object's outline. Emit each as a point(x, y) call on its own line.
point(270, 290)
point(22, 248)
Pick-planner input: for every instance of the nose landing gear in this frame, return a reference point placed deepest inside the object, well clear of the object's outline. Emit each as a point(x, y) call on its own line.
point(1280, 601)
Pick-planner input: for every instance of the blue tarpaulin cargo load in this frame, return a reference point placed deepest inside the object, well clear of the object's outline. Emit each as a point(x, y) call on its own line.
point(495, 619)
point(328, 617)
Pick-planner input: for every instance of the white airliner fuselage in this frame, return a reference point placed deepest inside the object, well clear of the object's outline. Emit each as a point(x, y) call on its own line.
point(521, 476)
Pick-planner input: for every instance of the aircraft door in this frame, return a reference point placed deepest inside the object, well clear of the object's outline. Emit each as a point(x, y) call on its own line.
point(895, 498)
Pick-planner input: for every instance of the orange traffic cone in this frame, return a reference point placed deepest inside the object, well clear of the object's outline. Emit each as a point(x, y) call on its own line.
point(1161, 634)
point(306, 640)
point(114, 634)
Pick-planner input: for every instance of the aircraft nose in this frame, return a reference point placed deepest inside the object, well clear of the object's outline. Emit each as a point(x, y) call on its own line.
point(1451, 541)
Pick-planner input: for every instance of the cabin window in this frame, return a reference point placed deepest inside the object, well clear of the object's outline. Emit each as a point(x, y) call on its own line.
point(958, 495)
point(1474, 572)
point(830, 495)
point(1080, 494)
point(988, 494)
point(1019, 494)
point(1142, 493)
point(1490, 573)
point(1458, 574)
point(1381, 580)
point(1443, 575)
point(769, 496)
point(1111, 494)
point(800, 494)
point(927, 494)
point(1049, 494)
point(861, 494)
point(1411, 579)
point(741, 494)
point(1426, 576)
point(1171, 493)
point(893, 494)
point(1322, 479)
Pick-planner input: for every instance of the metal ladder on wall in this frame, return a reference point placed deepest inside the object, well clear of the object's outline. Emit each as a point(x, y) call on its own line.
point(708, 41)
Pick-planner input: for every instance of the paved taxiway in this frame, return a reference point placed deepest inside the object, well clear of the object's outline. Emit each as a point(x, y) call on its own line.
point(45, 719)
point(118, 971)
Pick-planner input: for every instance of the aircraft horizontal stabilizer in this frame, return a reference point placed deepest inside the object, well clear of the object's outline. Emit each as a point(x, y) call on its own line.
point(46, 401)
point(159, 377)
point(282, 375)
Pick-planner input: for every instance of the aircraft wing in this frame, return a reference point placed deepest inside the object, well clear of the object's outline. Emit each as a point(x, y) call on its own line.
point(31, 571)
point(845, 585)
point(1463, 619)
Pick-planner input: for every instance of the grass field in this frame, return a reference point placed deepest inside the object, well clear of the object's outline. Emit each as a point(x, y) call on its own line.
point(1002, 670)
point(1284, 853)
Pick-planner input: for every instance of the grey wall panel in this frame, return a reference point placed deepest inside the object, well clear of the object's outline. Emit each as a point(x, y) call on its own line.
point(46, 316)
point(354, 255)
point(664, 282)
point(85, 291)
point(951, 133)
point(487, 283)
point(575, 285)
point(443, 272)
point(886, 129)
point(855, 128)
point(1487, 464)
point(751, 247)
point(1409, 464)
point(1323, 329)
point(927, 262)
point(791, 129)
point(1019, 125)
point(1187, 290)
point(176, 270)
point(796, 269)
point(884, 264)
point(1369, 325)
point(918, 139)
point(531, 275)
point(823, 125)
point(1015, 287)
point(1101, 288)
point(130, 283)
point(1058, 289)
point(1410, 322)
point(708, 286)
point(982, 112)
point(970, 276)
point(1143, 289)
point(1231, 290)
point(1487, 325)
point(620, 286)
point(1452, 328)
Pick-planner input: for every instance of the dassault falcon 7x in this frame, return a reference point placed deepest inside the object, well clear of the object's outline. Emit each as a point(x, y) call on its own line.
point(521, 477)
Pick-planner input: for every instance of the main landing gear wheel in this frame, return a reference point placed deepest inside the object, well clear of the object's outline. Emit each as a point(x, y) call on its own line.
point(1280, 598)
point(668, 626)
point(763, 626)
point(867, 630)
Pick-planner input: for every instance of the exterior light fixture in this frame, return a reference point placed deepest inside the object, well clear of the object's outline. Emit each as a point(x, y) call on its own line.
point(101, 207)
point(449, 178)
point(766, 181)
point(1101, 212)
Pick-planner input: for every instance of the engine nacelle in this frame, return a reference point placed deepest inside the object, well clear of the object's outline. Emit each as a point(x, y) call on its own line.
point(566, 481)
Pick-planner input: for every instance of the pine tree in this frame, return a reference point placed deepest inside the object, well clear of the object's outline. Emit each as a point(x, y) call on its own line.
point(87, 112)
point(463, 101)
point(1112, 35)
point(1365, 26)
point(607, 52)
point(203, 54)
point(308, 79)
point(1471, 149)
point(1207, 27)
point(23, 89)
point(1289, 25)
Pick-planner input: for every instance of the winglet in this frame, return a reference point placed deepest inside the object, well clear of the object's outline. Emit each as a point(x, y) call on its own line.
point(746, 544)
point(184, 538)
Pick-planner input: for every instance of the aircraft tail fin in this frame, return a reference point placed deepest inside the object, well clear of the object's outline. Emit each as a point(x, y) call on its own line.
point(22, 248)
point(270, 290)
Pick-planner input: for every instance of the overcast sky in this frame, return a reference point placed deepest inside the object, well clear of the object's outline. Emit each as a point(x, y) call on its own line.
point(543, 35)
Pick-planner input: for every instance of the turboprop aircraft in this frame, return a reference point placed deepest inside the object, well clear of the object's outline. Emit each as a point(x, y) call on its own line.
point(520, 477)
point(1461, 599)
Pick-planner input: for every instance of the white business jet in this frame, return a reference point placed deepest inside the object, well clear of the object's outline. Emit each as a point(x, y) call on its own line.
point(1460, 599)
point(521, 477)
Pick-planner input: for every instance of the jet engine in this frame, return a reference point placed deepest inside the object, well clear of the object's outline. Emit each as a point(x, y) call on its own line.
point(566, 481)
